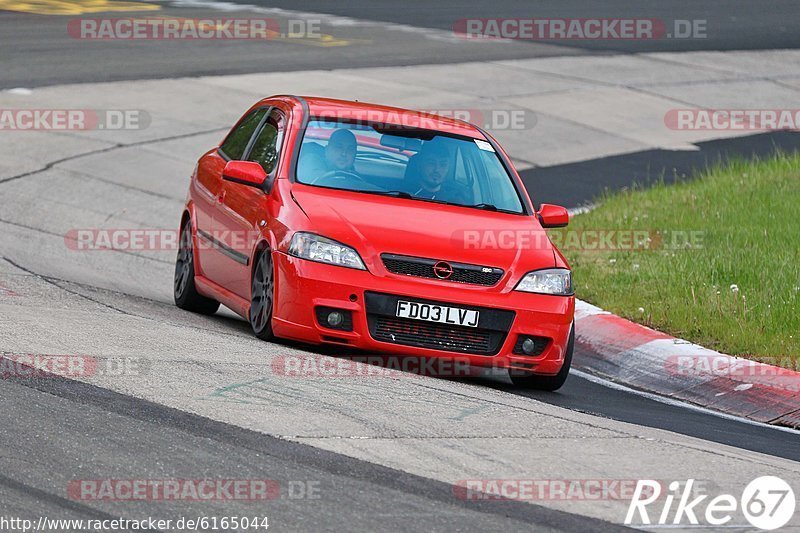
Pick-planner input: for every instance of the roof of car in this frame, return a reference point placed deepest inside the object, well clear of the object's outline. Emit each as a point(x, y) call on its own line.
point(331, 108)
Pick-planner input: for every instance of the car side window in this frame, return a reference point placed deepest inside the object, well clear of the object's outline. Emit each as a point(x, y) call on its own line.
point(266, 148)
point(236, 142)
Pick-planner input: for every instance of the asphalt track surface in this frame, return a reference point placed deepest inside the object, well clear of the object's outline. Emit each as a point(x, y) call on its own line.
point(735, 25)
point(37, 50)
point(135, 439)
point(577, 184)
point(56, 430)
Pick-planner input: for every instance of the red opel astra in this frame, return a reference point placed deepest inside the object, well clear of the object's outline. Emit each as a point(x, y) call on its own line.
point(377, 228)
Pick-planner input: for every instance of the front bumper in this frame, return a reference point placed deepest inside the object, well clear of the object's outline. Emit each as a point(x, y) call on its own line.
point(305, 285)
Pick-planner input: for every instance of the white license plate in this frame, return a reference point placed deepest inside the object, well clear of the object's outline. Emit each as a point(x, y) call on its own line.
point(438, 313)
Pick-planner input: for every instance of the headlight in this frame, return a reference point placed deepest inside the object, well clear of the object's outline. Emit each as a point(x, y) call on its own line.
point(550, 281)
point(323, 250)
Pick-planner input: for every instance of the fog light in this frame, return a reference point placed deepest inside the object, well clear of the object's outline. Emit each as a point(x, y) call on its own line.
point(528, 346)
point(335, 319)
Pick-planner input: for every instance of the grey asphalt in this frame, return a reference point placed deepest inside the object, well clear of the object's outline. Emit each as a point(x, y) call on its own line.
point(732, 25)
point(581, 183)
point(585, 396)
point(37, 49)
point(92, 433)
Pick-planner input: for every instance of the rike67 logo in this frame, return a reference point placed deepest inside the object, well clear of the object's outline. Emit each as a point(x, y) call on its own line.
point(767, 503)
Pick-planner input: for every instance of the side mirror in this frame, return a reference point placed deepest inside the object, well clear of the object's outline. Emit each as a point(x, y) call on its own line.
point(552, 216)
point(244, 172)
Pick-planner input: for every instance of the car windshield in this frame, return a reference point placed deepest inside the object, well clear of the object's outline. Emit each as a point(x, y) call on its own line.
point(415, 164)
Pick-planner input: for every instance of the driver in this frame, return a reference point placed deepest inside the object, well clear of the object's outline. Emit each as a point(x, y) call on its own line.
point(340, 154)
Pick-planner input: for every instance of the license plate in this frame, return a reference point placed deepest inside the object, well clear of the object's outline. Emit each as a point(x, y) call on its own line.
point(438, 313)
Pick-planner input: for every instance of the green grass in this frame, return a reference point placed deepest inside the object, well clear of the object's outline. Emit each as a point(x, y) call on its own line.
point(748, 216)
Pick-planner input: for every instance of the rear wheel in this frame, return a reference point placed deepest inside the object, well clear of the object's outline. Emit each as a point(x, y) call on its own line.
point(262, 296)
point(184, 289)
point(546, 383)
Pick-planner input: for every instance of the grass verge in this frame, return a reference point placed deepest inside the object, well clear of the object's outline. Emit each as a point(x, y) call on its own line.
point(718, 261)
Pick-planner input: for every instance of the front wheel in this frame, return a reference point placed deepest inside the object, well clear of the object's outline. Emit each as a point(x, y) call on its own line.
point(184, 289)
point(546, 383)
point(262, 296)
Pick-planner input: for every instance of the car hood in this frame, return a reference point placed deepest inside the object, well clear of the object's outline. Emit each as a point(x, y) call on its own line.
point(375, 224)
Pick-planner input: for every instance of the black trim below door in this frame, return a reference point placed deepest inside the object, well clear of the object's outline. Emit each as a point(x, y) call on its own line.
point(237, 256)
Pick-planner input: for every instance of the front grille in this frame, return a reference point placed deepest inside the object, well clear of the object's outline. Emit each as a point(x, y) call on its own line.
point(424, 268)
point(434, 336)
point(485, 339)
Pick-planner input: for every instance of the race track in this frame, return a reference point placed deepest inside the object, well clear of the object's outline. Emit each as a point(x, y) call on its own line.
point(205, 400)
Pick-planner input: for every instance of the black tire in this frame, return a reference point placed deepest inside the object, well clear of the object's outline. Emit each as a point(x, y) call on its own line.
point(262, 296)
point(184, 289)
point(546, 383)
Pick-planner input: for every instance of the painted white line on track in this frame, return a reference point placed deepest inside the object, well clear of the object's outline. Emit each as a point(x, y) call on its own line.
point(676, 403)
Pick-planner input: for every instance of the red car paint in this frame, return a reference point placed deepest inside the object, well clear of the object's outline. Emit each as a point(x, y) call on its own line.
point(372, 225)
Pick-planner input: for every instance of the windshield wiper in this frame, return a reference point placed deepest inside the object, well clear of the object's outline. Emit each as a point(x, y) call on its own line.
point(485, 207)
point(408, 196)
point(394, 194)
point(492, 207)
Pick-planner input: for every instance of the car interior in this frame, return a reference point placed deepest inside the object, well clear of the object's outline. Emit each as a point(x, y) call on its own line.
point(393, 164)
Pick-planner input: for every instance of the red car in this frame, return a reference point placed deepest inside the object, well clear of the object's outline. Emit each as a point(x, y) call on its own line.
point(377, 228)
